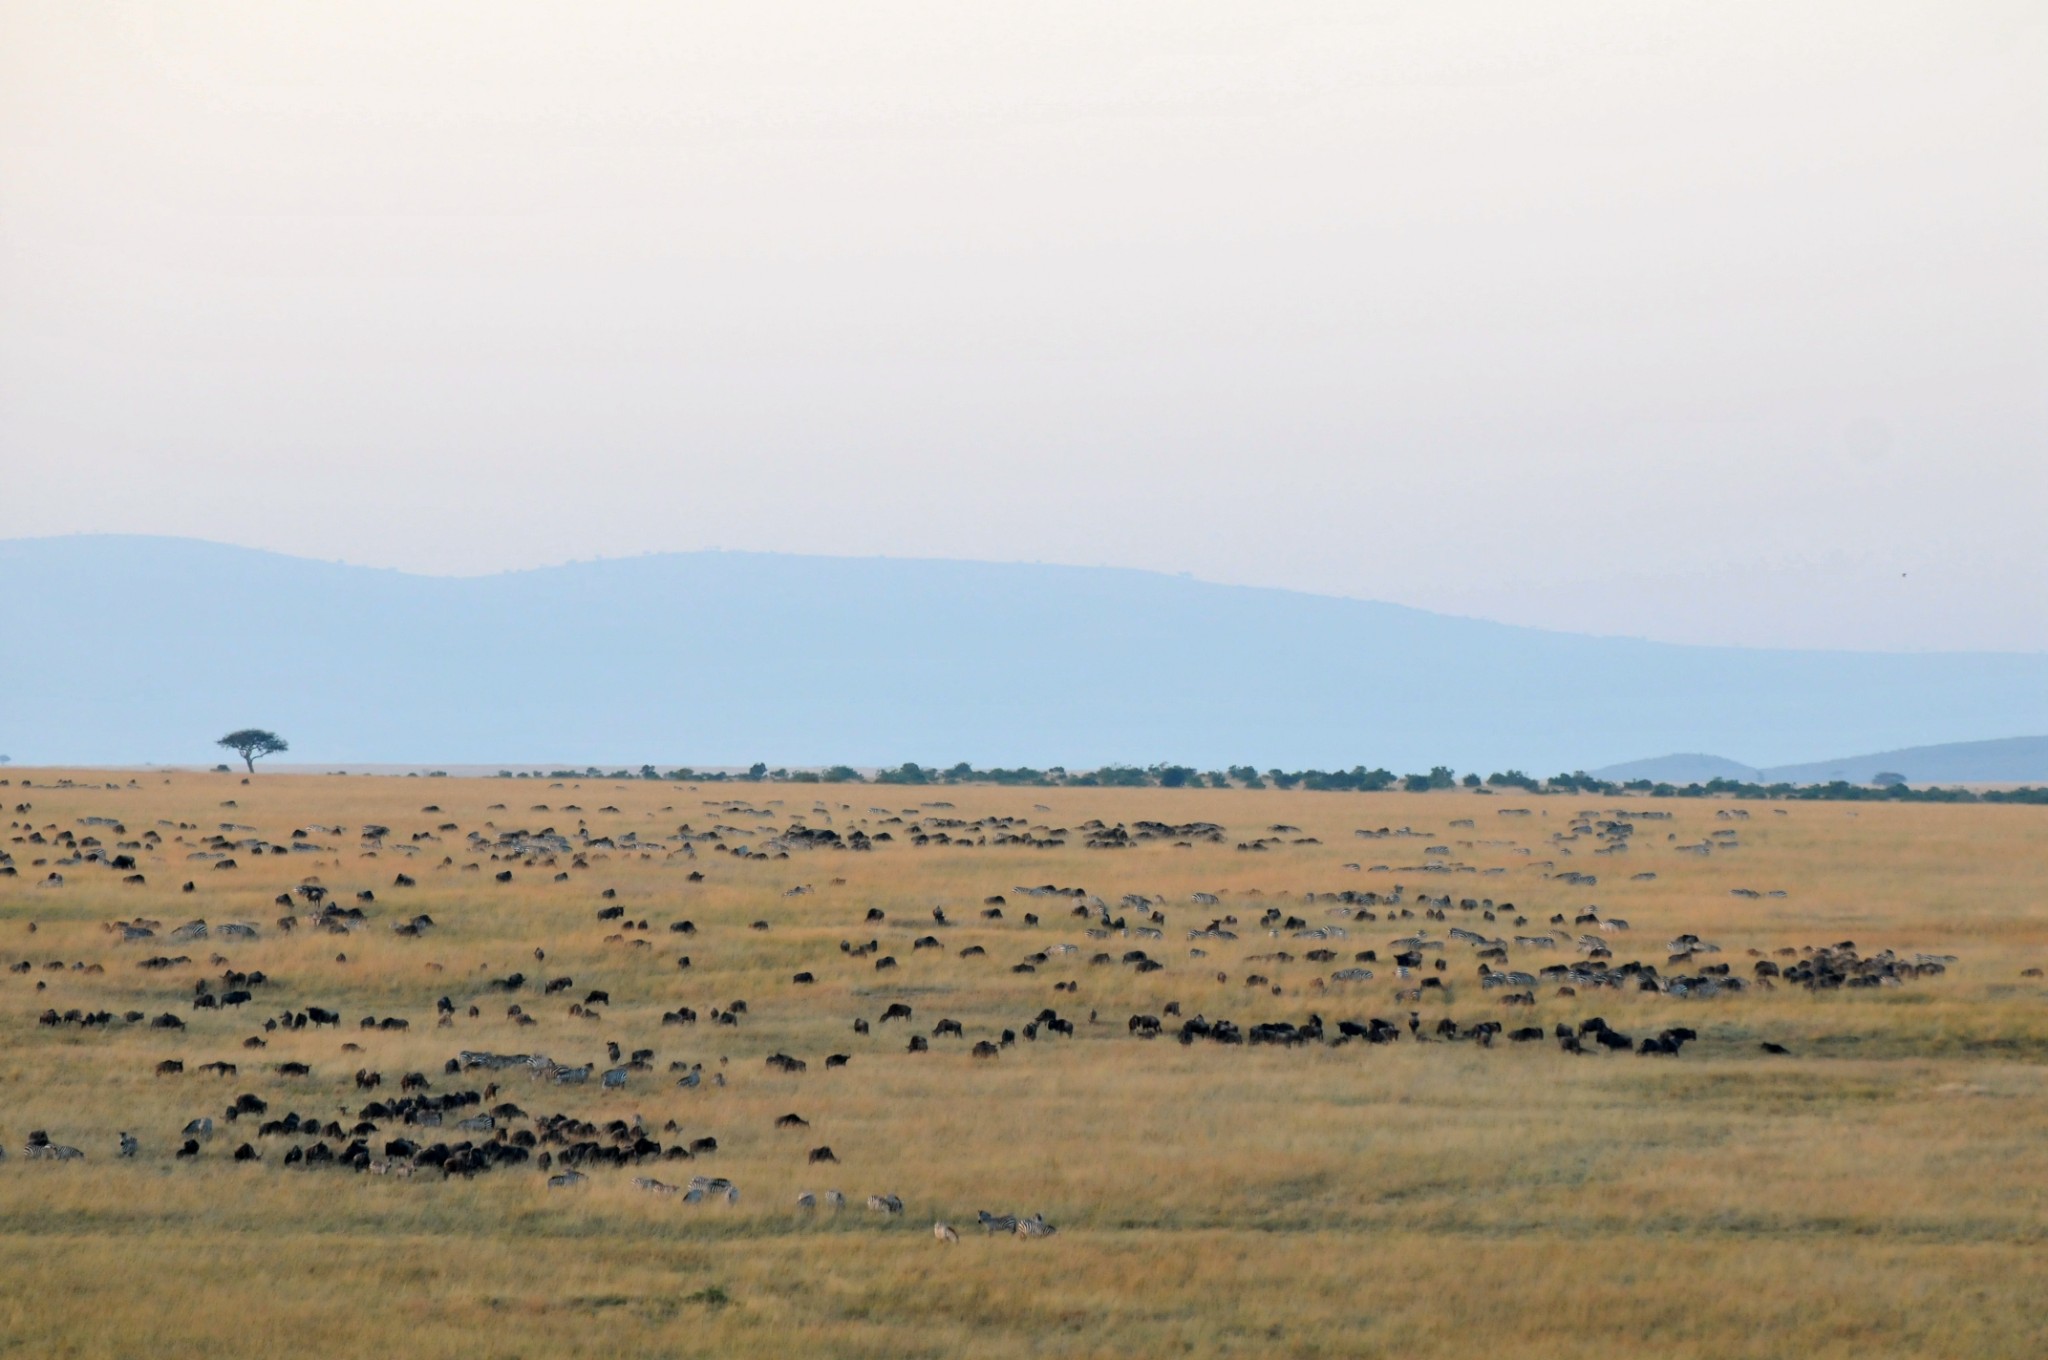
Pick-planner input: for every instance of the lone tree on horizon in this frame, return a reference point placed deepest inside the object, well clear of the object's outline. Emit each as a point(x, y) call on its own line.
point(252, 742)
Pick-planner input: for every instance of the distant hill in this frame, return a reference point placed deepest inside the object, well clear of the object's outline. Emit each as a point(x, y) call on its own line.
point(126, 649)
point(1678, 769)
point(2012, 760)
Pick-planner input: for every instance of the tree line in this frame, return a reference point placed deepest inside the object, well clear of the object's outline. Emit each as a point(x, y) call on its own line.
point(1358, 779)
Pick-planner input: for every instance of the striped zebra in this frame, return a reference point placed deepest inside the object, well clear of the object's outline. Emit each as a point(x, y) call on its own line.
point(997, 1223)
point(1035, 1226)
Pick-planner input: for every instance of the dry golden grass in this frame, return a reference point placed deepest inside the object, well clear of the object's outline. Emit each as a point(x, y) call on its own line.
point(1883, 1191)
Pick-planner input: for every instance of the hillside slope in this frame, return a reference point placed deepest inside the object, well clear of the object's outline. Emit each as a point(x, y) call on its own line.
point(127, 649)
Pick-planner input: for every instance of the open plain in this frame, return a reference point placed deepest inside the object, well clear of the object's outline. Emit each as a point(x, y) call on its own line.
point(1316, 1188)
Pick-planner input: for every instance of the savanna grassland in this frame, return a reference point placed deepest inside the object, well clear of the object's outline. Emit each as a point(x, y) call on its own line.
point(1881, 1189)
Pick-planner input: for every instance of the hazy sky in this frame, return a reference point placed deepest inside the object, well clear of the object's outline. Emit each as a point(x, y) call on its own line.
point(1722, 323)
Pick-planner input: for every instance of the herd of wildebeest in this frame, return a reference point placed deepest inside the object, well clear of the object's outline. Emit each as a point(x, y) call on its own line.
point(1432, 952)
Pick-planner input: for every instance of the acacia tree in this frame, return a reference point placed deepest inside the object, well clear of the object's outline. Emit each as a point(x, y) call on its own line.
point(253, 742)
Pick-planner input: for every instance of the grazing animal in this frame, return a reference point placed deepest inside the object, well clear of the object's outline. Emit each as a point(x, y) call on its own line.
point(822, 1154)
point(944, 1232)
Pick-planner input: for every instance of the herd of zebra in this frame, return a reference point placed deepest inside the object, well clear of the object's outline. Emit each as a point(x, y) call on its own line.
point(1306, 952)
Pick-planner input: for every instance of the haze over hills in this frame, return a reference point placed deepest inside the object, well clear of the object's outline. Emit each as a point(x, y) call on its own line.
point(2007, 761)
point(123, 649)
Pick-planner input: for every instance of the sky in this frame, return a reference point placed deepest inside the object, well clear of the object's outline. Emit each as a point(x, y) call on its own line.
point(1716, 324)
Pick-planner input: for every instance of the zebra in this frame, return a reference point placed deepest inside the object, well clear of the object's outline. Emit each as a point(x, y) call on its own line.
point(997, 1223)
point(128, 1144)
point(614, 1078)
point(567, 1180)
point(1035, 1226)
point(653, 1186)
point(806, 1200)
point(200, 1128)
point(834, 1200)
point(885, 1204)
